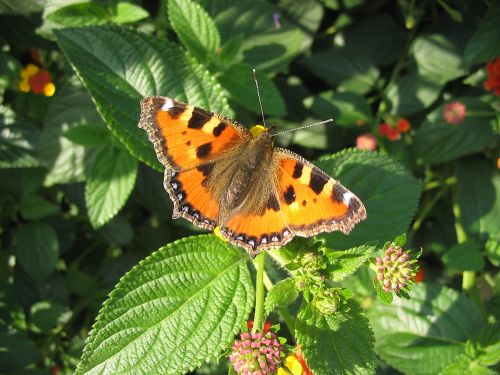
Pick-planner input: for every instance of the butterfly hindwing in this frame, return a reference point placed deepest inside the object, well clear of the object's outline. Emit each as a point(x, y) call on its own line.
point(311, 201)
point(185, 136)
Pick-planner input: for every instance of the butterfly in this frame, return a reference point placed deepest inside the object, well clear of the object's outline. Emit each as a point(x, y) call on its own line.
point(218, 174)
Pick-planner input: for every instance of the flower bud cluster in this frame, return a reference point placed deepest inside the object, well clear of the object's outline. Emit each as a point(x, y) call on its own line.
point(310, 268)
point(395, 270)
point(257, 354)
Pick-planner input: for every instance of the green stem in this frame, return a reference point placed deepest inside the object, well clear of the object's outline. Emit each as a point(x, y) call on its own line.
point(259, 264)
point(282, 311)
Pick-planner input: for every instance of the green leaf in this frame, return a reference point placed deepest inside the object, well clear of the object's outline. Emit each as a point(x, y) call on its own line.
point(265, 47)
point(345, 68)
point(344, 263)
point(18, 147)
point(109, 184)
point(340, 343)
point(346, 108)
point(484, 346)
point(18, 351)
point(492, 248)
point(424, 334)
point(479, 198)
point(90, 135)
point(46, 316)
point(128, 13)
point(37, 249)
point(436, 141)
point(66, 161)
point(312, 137)
point(484, 46)
point(465, 365)
point(238, 81)
point(413, 93)
point(464, 257)
point(174, 310)
point(385, 297)
point(438, 58)
point(195, 28)
point(282, 293)
point(119, 66)
point(377, 180)
point(80, 14)
point(34, 207)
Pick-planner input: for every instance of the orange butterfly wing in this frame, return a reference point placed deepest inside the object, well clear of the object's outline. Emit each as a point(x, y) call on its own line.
point(187, 140)
point(185, 136)
point(313, 202)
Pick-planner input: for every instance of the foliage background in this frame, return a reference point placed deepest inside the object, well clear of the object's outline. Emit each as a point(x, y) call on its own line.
point(81, 191)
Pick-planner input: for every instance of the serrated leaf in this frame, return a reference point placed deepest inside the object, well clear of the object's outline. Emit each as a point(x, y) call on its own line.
point(484, 46)
point(18, 147)
point(282, 293)
point(484, 346)
point(195, 28)
point(412, 93)
point(238, 81)
point(128, 13)
point(80, 14)
point(340, 343)
point(37, 249)
point(177, 308)
point(344, 263)
point(109, 184)
point(479, 198)
point(346, 108)
point(438, 57)
point(464, 365)
point(464, 257)
point(376, 180)
point(34, 207)
point(90, 135)
point(437, 141)
point(65, 160)
point(424, 334)
point(119, 66)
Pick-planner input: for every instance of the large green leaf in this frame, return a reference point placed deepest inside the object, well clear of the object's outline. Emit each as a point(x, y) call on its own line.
point(340, 343)
point(436, 141)
point(238, 81)
point(389, 192)
point(479, 198)
point(195, 28)
point(484, 46)
point(174, 310)
point(424, 334)
point(413, 93)
point(109, 184)
point(464, 257)
point(119, 66)
point(37, 249)
point(18, 351)
point(79, 14)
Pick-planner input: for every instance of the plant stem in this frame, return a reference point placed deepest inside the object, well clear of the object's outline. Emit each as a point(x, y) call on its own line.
point(259, 264)
point(282, 311)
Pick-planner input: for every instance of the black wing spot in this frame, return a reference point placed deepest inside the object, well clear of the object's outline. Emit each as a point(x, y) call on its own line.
point(198, 118)
point(297, 171)
point(219, 129)
point(188, 143)
point(176, 111)
point(204, 150)
point(272, 203)
point(289, 195)
point(206, 169)
point(304, 203)
point(338, 193)
point(317, 182)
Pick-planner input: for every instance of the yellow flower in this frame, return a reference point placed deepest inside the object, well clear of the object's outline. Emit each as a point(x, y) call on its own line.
point(49, 89)
point(293, 364)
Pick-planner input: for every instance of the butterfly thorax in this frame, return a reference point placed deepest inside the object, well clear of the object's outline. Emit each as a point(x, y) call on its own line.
point(248, 187)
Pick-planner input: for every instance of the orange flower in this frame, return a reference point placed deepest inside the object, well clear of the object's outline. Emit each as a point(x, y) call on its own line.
point(366, 141)
point(393, 134)
point(296, 364)
point(403, 125)
point(36, 80)
point(420, 276)
point(492, 83)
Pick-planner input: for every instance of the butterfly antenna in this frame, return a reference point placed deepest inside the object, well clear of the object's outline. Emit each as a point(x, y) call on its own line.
point(258, 96)
point(305, 126)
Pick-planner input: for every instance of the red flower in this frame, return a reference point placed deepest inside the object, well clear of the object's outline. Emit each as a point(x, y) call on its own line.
point(384, 128)
point(454, 112)
point(267, 326)
point(393, 134)
point(492, 83)
point(420, 276)
point(36, 80)
point(366, 141)
point(403, 125)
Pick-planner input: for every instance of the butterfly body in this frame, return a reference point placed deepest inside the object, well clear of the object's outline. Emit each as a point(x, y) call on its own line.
point(218, 174)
